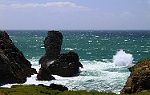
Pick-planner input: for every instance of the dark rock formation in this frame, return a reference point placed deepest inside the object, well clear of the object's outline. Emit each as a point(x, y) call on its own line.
point(58, 87)
point(66, 65)
point(55, 63)
point(52, 44)
point(55, 87)
point(14, 67)
point(139, 78)
point(45, 74)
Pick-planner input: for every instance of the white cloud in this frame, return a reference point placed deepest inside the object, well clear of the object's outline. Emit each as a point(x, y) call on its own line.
point(62, 4)
point(49, 4)
point(24, 5)
point(46, 15)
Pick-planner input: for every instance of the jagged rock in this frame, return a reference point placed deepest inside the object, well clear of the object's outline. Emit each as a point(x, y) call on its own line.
point(52, 44)
point(55, 63)
point(139, 78)
point(14, 67)
point(55, 87)
point(66, 65)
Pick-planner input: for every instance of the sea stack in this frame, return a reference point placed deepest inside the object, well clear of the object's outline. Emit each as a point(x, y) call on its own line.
point(52, 62)
point(139, 78)
point(14, 67)
point(52, 44)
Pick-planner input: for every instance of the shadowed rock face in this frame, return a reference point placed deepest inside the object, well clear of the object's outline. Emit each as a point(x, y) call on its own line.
point(14, 67)
point(55, 63)
point(139, 78)
point(66, 65)
point(52, 44)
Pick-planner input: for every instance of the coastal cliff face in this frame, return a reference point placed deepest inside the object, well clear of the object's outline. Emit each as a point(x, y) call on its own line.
point(14, 67)
point(53, 62)
point(139, 78)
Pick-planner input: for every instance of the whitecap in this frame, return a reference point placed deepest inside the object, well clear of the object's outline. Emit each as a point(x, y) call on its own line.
point(146, 51)
point(42, 47)
point(122, 59)
point(70, 49)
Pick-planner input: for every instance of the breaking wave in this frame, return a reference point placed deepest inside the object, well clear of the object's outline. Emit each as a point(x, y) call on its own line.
point(122, 59)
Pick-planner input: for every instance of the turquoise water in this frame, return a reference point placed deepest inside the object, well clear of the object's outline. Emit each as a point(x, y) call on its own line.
point(103, 69)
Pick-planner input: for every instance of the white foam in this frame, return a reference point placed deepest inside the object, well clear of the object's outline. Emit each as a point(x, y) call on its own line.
point(96, 75)
point(122, 59)
point(70, 49)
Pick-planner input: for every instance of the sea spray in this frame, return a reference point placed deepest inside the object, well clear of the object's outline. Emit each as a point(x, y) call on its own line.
point(49, 63)
point(122, 59)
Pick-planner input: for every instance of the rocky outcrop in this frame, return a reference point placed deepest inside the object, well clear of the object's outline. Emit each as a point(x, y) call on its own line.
point(55, 87)
point(66, 65)
point(139, 78)
point(14, 67)
point(45, 74)
point(53, 62)
point(52, 44)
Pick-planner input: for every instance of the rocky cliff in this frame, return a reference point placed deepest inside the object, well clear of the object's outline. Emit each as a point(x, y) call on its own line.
point(139, 78)
point(14, 67)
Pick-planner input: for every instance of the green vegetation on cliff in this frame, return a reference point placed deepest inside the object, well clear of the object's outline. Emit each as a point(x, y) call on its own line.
point(39, 90)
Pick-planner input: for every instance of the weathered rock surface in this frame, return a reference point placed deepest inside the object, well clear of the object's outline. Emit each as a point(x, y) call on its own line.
point(14, 67)
point(52, 44)
point(66, 65)
point(55, 63)
point(139, 78)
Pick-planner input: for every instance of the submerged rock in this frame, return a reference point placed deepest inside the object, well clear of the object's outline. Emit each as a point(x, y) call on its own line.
point(55, 63)
point(14, 67)
point(139, 78)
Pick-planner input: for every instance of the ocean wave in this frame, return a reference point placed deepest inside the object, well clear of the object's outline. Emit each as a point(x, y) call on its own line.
point(108, 76)
point(96, 75)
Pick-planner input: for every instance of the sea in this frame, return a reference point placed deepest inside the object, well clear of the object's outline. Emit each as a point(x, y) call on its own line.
point(106, 56)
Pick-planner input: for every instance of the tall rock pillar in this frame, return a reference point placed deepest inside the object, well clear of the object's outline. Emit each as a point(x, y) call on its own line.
point(52, 44)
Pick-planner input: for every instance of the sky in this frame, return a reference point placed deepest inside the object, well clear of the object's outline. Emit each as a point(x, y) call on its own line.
point(75, 14)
